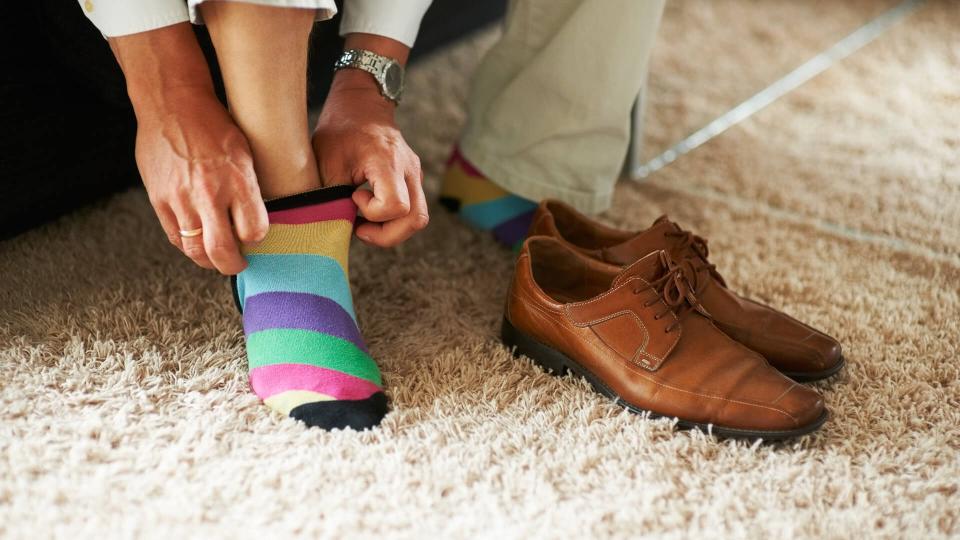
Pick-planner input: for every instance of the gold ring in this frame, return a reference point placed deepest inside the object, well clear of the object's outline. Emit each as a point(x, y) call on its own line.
point(190, 233)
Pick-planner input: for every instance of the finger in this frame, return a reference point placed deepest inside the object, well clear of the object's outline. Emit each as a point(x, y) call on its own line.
point(361, 197)
point(250, 220)
point(220, 242)
point(168, 220)
point(390, 199)
point(192, 246)
point(397, 231)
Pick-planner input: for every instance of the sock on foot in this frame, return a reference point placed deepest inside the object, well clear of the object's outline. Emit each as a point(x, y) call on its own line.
point(306, 356)
point(483, 204)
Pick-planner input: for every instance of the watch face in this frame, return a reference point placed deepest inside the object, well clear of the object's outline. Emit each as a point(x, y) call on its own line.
point(393, 80)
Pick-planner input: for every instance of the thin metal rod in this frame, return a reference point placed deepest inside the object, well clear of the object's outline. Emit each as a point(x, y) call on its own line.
point(810, 69)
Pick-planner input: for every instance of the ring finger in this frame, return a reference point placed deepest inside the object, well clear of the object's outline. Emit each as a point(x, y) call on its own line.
point(189, 223)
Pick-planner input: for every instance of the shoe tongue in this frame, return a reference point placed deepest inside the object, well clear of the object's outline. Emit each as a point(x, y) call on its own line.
point(650, 240)
point(648, 268)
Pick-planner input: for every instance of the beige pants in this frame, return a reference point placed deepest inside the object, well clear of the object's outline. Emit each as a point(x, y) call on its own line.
point(549, 111)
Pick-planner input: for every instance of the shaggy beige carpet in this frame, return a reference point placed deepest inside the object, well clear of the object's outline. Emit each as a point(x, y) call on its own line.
point(124, 408)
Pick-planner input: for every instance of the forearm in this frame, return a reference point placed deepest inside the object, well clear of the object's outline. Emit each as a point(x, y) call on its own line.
point(160, 66)
point(357, 141)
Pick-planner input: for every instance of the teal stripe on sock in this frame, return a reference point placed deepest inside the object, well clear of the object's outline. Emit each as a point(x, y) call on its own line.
point(487, 215)
point(312, 274)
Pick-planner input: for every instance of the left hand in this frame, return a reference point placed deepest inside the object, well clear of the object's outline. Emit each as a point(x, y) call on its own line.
point(357, 141)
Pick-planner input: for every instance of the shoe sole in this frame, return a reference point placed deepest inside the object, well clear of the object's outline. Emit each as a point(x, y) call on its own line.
point(812, 376)
point(558, 364)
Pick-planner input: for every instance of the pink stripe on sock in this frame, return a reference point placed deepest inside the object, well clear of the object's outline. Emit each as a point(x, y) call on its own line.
point(338, 209)
point(457, 157)
point(276, 378)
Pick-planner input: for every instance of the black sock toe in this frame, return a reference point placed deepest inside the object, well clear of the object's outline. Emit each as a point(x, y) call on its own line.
point(357, 414)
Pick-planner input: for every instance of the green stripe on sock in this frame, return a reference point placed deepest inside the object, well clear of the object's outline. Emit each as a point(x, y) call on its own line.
point(293, 346)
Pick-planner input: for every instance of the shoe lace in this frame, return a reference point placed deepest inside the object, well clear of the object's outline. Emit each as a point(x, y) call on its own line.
point(676, 292)
point(695, 258)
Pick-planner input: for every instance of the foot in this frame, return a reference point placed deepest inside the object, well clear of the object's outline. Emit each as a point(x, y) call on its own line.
point(306, 356)
point(484, 205)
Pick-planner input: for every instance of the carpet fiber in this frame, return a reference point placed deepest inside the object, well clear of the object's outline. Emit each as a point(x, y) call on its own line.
point(125, 411)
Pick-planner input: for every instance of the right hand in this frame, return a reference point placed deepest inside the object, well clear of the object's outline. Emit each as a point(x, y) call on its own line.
point(198, 171)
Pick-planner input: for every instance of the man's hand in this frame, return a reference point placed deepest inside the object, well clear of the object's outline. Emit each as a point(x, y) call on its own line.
point(357, 141)
point(194, 160)
point(197, 169)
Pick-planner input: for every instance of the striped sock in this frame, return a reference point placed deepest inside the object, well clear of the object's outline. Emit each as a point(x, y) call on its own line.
point(305, 353)
point(483, 204)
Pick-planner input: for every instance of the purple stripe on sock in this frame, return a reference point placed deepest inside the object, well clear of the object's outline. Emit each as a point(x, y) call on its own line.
point(513, 230)
point(301, 311)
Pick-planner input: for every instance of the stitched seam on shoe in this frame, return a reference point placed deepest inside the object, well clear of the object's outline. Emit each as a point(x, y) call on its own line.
point(626, 270)
point(532, 302)
point(566, 307)
point(797, 347)
point(791, 346)
point(614, 316)
point(608, 293)
point(657, 361)
point(632, 367)
point(641, 351)
point(710, 396)
point(544, 311)
point(785, 392)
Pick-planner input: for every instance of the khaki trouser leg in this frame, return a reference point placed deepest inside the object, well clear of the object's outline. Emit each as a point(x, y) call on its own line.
point(549, 110)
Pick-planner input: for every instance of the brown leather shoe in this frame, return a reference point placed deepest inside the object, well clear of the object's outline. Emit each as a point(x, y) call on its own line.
point(799, 351)
point(639, 336)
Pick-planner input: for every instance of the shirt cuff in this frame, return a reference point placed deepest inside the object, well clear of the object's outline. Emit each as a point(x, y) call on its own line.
point(122, 17)
point(325, 9)
point(389, 18)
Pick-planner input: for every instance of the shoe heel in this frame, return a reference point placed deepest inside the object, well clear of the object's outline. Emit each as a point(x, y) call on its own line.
point(550, 360)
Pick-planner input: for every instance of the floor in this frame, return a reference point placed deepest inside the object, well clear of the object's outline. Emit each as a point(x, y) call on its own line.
point(123, 394)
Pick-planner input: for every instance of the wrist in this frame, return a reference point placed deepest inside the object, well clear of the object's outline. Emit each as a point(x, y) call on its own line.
point(353, 79)
point(371, 62)
point(162, 68)
point(168, 101)
point(354, 90)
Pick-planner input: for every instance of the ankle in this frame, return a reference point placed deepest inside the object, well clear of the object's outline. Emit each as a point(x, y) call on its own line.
point(283, 177)
point(483, 204)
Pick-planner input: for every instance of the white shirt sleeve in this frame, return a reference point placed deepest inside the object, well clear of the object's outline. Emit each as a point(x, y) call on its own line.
point(122, 17)
point(395, 19)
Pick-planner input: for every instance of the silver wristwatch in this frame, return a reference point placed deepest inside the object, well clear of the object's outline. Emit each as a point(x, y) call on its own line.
point(387, 71)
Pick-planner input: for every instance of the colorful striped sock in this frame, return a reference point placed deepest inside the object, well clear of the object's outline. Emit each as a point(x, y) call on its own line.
point(483, 204)
point(305, 353)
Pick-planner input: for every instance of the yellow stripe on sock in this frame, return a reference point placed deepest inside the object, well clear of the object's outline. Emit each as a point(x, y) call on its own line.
point(330, 238)
point(458, 184)
point(285, 402)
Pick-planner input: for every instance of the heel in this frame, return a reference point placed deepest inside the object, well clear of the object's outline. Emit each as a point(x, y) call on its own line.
point(551, 361)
